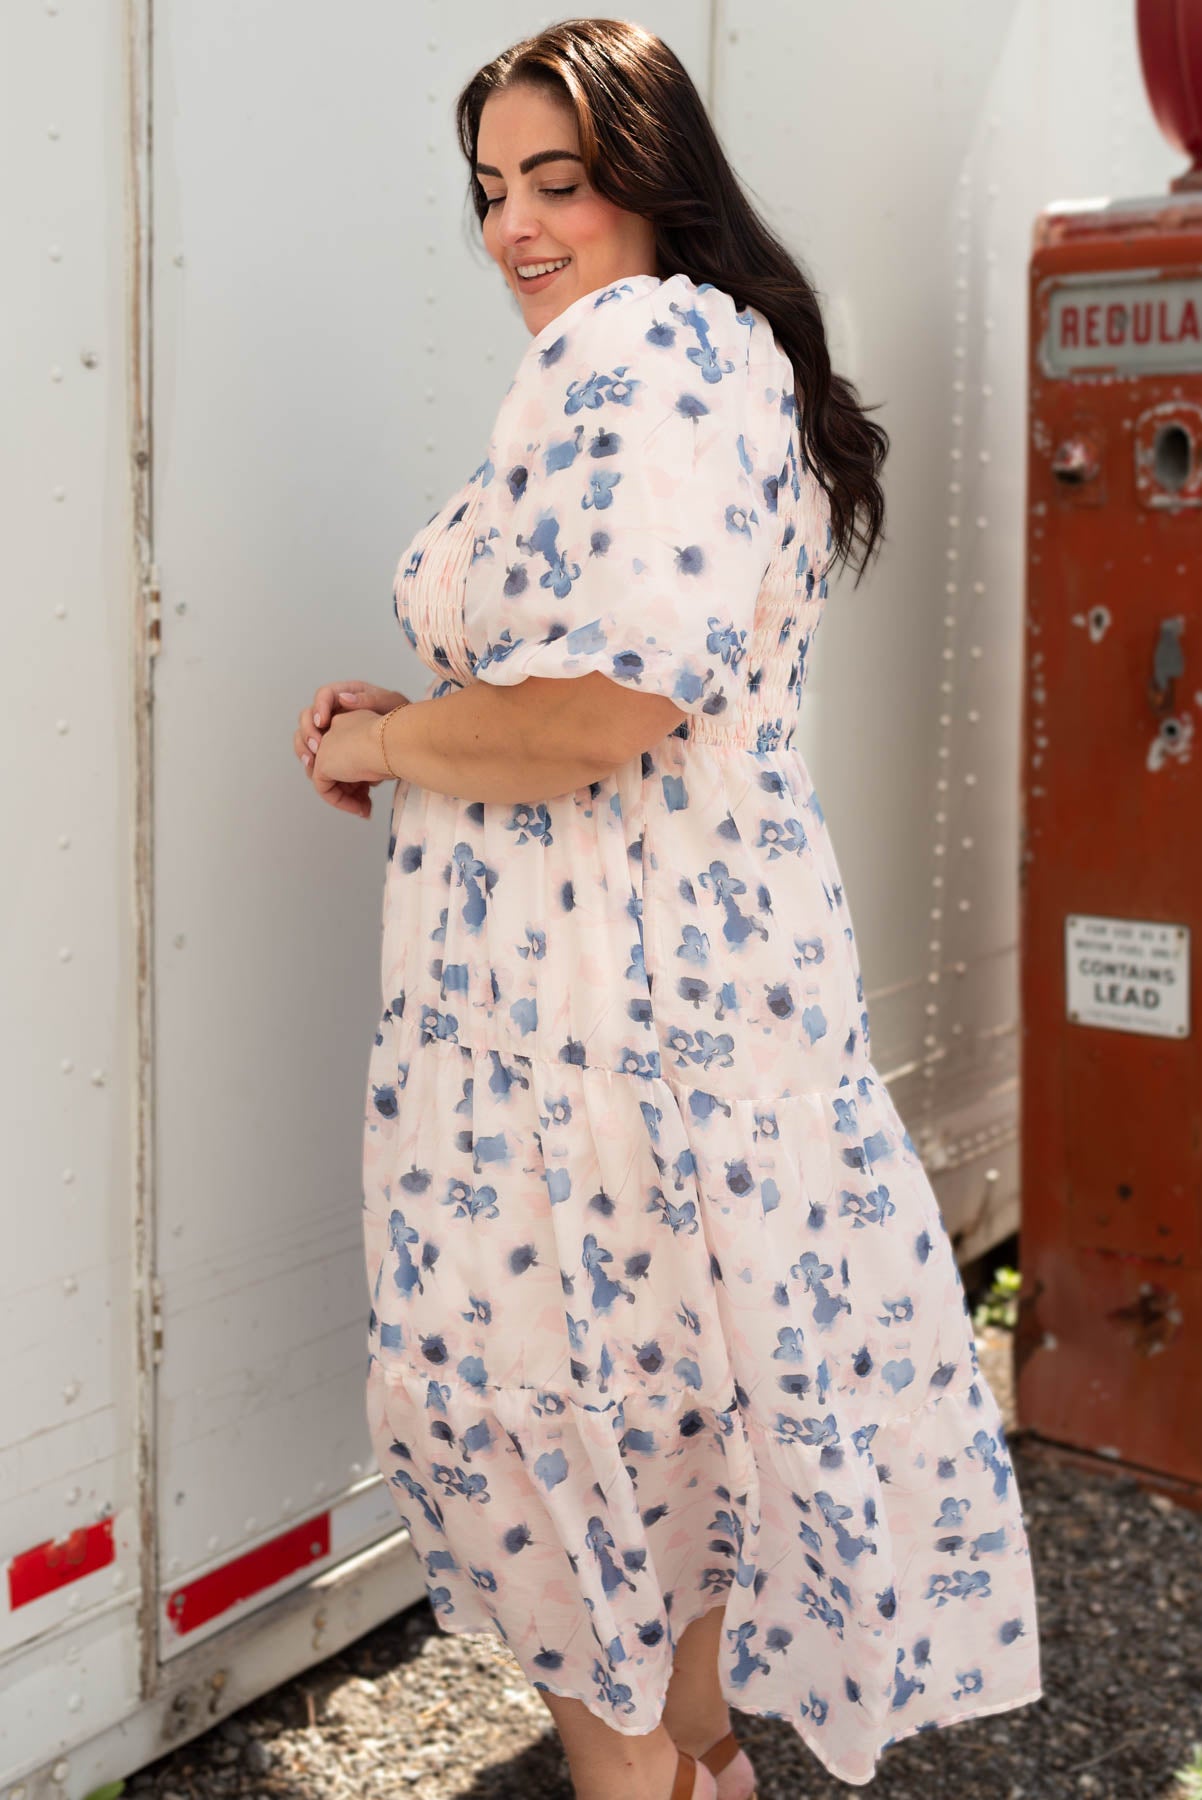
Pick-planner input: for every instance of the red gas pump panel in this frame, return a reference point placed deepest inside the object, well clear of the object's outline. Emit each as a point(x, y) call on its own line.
point(1109, 1343)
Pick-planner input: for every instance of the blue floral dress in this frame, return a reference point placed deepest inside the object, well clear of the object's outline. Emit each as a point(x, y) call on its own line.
point(664, 1316)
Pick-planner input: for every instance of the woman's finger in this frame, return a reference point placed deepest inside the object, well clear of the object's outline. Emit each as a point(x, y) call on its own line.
point(323, 706)
point(351, 797)
point(334, 694)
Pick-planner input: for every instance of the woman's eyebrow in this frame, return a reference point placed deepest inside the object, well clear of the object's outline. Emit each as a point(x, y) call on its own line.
point(531, 162)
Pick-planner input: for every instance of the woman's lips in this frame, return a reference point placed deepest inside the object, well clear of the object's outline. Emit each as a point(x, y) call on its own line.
point(539, 281)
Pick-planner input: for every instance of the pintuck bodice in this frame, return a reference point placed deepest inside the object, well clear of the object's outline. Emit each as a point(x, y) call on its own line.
point(760, 635)
point(431, 584)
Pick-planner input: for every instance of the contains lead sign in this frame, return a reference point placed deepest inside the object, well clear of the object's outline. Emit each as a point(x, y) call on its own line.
point(1127, 974)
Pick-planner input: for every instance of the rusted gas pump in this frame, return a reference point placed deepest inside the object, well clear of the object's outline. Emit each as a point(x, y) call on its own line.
point(1108, 1348)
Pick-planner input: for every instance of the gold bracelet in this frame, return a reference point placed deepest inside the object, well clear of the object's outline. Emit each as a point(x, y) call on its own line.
point(383, 752)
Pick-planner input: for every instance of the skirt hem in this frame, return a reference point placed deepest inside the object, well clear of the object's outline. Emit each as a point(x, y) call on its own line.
point(959, 1715)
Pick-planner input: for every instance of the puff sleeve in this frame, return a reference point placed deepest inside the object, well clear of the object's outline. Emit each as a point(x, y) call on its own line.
point(627, 524)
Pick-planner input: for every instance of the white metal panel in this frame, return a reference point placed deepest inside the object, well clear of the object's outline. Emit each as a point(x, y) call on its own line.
point(329, 356)
point(65, 1691)
point(63, 1751)
point(903, 152)
point(70, 1514)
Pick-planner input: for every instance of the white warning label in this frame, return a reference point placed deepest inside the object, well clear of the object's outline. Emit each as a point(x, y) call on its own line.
point(1127, 974)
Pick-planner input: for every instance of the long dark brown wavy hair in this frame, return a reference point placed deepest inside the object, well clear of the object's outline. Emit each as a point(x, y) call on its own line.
point(649, 147)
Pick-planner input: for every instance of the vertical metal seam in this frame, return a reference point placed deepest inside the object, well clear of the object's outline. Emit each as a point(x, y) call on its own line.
point(139, 223)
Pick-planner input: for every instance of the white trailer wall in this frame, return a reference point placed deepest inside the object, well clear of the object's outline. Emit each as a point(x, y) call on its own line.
point(247, 348)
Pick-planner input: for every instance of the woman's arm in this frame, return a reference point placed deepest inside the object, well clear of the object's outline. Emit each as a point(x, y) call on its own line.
point(538, 739)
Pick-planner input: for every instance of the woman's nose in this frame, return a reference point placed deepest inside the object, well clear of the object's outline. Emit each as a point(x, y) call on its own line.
point(516, 224)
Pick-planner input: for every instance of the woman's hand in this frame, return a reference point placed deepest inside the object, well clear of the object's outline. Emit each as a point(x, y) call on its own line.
point(349, 763)
point(348, 794)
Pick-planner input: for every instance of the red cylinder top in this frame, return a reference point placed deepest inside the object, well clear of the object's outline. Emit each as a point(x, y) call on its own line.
point(1170, 48)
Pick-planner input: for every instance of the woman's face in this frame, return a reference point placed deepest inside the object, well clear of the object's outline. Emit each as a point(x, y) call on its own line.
point(548, 211)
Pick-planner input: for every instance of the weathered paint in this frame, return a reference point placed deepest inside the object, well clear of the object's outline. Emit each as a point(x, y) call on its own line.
point(1109, 1340)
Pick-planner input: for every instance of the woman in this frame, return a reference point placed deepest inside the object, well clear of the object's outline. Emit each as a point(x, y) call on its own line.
point(670, 1366)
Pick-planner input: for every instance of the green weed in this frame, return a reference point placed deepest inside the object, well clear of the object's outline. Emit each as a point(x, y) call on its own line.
point(1000, 1305)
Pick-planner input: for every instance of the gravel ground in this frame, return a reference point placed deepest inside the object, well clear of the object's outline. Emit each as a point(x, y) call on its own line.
point(412, 1710)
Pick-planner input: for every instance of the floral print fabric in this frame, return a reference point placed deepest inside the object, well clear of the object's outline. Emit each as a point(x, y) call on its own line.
point(664, 1315)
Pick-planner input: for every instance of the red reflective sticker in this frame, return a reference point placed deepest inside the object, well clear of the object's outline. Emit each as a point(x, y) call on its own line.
point(54, 1565)
point(203, 1599)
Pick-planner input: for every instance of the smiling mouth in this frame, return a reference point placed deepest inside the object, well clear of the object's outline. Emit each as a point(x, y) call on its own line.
point(560, 265)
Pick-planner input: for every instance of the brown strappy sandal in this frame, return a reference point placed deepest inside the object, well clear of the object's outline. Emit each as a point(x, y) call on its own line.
point(721, 1753)
point(686, 1775)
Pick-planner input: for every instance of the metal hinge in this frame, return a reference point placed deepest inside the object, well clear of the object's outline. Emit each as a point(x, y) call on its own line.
point(156, 1294)
point(152, 607)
